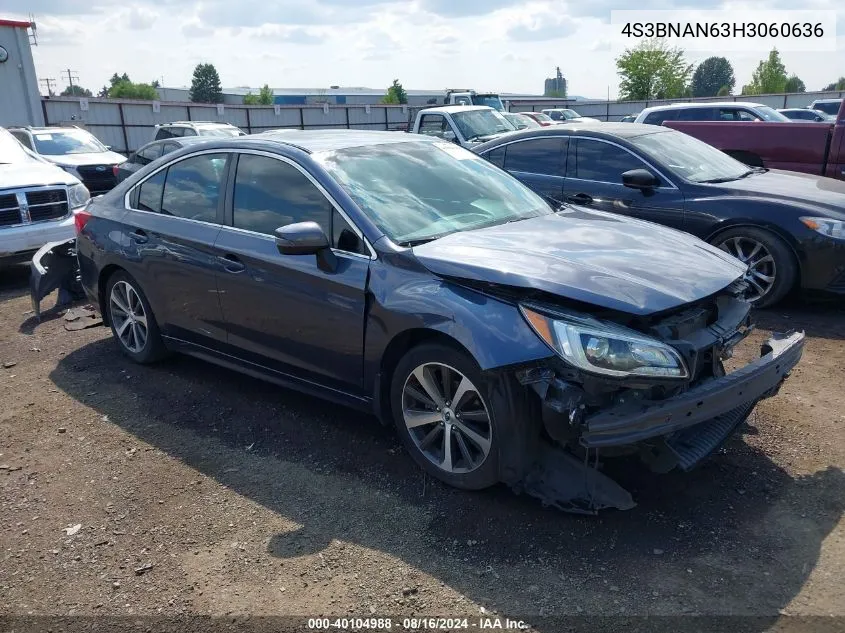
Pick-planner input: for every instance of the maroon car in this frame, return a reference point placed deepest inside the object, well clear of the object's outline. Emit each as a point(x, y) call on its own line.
point(812, 149)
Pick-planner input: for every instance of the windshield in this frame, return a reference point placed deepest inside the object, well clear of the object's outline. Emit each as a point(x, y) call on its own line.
point(11, 151)
point(59, 143)
point(571, 114)
point(770, 114)
point(475, 123)
point(220, 131)
point(690, 158)
point(829, 107)
point(520, 122)
point(539, 116)
point(419, 191)
point(491, 101)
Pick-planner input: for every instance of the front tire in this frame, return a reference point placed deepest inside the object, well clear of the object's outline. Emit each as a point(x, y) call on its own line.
point(442, 409)
point(132, 321)
point(772, 270)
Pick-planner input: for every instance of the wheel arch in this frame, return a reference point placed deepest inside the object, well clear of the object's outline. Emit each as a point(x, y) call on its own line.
point(102, 281)
point(771, 228)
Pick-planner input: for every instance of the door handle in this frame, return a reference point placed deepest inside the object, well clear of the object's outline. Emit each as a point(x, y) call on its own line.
point(231, 263)
point(579, 198)
point(139, 236)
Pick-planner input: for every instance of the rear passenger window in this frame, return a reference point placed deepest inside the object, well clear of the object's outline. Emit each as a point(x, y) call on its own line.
point(163, 132)
point(147, 155)
point(270, 193)
point(193, 186)
point(149, 193)
point(536, 156)
point(187, 131)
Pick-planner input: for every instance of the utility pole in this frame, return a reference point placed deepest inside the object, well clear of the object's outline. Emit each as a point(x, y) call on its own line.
point(49, 84)
point(71, 75)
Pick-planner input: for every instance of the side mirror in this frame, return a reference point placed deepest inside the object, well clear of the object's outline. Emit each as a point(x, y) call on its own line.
point(639, 179)
point(301, 238)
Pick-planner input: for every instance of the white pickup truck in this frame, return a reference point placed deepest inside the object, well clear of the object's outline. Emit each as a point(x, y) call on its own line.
point(465, 125)
point(37, 201)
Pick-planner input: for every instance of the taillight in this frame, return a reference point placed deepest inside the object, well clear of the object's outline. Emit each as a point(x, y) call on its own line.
point(114, 169)
point(80, 219)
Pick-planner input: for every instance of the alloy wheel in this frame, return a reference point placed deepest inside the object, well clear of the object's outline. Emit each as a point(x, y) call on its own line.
point(128, 316)
point(762, 270)
point(446, 418)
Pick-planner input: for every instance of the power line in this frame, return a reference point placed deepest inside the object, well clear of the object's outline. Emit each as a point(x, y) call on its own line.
point(49, 83)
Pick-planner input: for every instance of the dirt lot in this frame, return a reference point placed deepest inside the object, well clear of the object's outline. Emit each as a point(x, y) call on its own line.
point(245, 498)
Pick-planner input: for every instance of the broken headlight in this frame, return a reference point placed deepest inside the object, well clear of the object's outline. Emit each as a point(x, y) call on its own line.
point(605, 348)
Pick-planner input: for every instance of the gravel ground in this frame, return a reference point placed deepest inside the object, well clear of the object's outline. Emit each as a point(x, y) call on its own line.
point(187, 489)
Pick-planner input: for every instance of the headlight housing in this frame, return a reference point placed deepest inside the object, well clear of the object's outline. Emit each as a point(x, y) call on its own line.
point(77, 196)
point(826, 226)
point(606, 348)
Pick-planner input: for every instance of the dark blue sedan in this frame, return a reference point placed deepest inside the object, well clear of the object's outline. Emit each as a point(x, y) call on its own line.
point(506, 340)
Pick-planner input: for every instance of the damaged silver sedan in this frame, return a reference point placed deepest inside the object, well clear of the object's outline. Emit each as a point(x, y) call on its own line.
point(506, 340)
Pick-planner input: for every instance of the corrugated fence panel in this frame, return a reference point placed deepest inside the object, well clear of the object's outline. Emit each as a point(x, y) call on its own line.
point(265, 118)
point(316, 117)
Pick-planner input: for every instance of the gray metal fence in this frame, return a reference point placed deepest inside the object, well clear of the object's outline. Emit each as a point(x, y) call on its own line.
point(126, 125)
point(615, 110)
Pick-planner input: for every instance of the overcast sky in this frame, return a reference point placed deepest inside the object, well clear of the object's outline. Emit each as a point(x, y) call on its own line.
point(502, 45)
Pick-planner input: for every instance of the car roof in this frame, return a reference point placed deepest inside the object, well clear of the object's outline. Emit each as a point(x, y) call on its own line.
point(605, 130)
point(179, 139)
point(328, 140)
point(452, 109)
point(56, 128)
point(707, 104)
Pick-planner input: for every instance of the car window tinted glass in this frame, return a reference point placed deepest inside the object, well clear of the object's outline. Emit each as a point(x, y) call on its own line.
point(23, 137)
point(536, 156)
point(696, 114)
point(828, 107)
point(54, 143)
point(187, 131)
point(149, 193)
point(769, 114)
point(169, 147)
point(223, 131)
point(344, 238)
point(497, 156)
point(419, 190)
point(193, 186)
point(476, 123)
point(603, 162)
point(270, 193)
point(163, 132)
point(149, 154)
point(432, 124)
point(688, 157)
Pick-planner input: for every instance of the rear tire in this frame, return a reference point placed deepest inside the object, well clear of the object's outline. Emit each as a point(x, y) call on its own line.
point(773, 270)
point(132, 321)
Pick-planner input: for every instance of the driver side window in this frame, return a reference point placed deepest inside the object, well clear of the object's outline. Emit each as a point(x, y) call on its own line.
point(433, 125)
point(192, 187)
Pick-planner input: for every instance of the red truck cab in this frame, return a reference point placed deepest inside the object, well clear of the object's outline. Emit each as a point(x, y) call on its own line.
point(816, 148)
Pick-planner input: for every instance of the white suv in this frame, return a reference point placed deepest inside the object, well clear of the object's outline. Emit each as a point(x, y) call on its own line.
point(37, 201)
point(196, 128)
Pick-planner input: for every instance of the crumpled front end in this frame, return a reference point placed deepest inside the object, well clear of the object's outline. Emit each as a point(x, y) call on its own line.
point(668, 423)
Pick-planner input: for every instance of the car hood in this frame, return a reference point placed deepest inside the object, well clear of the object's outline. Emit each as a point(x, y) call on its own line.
point(94, 158)
point(597, 258)
point(33, 174)
point(793, 188)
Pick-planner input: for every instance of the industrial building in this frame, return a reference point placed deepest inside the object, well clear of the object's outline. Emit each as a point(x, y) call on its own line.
point(20, 101)
point(336, 95)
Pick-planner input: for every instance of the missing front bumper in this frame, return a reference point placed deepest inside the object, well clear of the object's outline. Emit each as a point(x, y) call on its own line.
point(630, 424)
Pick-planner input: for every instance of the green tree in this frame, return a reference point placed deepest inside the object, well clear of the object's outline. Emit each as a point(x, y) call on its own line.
point(713, 74)
point(770, 76)
point(724, 91)
point(104, 92)
point(794, 84)
point(839, 84)
point(264, 97)
point(155, 84)
point(205, 86)
point(652, 71)
point(395, 93)
point(76, 91)
point(128, 90)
